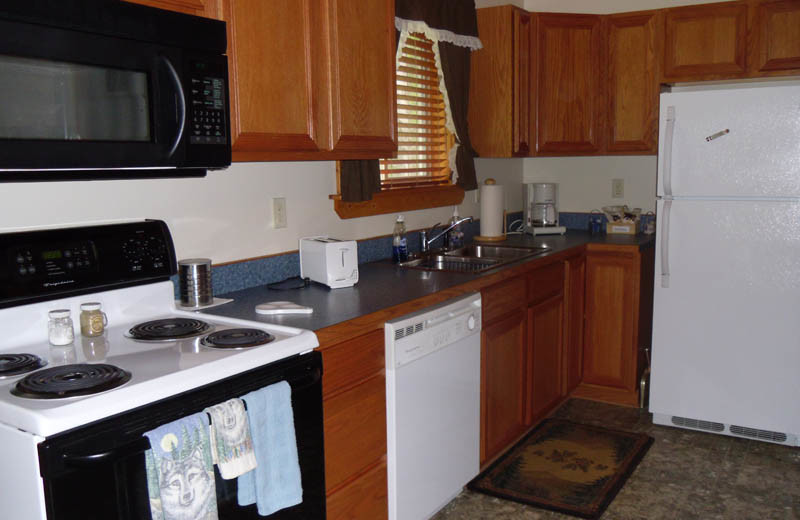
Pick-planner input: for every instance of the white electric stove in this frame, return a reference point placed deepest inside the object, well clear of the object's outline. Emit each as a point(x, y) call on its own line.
point(153, 360)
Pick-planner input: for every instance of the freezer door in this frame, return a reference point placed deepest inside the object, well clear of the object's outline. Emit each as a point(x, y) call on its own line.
point(726, 330)
point(734, 142)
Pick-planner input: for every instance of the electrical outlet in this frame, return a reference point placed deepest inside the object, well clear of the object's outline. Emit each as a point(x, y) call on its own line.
point(278, 212)
point(617, 188)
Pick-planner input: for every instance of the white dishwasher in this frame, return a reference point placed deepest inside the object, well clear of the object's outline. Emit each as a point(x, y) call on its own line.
point(433, 372)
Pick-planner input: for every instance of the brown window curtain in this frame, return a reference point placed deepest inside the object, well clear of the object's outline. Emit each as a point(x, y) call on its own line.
point(455, 68)
point(361, 178)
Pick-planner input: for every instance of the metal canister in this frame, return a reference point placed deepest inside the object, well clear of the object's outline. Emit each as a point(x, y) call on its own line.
point(195, 282)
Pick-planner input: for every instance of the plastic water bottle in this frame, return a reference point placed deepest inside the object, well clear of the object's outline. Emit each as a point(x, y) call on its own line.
point(399, 242)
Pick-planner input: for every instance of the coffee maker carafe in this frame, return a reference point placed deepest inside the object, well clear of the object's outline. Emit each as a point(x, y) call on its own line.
point(541, 208)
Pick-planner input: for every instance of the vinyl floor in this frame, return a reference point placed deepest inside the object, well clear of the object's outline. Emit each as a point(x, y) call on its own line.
point(685, 475)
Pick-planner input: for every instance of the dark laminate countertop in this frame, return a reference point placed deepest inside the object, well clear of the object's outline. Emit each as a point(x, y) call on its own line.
point(382, 285)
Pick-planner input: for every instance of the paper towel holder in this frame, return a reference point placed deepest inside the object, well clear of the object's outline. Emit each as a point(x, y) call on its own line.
point(498, 238)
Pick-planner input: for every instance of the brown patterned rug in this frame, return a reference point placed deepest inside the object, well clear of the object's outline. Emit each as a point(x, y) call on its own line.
point(567, 467)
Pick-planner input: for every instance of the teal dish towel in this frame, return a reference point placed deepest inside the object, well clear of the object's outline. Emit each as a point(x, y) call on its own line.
point(180, 473)
point(275, 483)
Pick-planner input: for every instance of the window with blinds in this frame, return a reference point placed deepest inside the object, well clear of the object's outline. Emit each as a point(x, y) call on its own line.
point(423, 140)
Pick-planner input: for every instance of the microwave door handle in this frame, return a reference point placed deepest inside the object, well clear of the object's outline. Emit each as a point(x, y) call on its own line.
point(140, 445)
point(176, 81)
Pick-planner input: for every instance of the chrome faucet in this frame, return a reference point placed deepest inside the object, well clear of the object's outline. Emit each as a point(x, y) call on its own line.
point(425, 242)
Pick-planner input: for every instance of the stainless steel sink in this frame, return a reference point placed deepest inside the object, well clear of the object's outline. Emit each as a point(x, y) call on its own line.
point(491, 251)
point(473, 258)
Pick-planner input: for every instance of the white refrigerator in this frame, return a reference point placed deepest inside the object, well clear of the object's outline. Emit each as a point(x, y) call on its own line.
point(726, 308)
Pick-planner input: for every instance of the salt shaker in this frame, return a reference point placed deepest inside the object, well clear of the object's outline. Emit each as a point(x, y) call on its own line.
point(93, 320)
point(59, 327)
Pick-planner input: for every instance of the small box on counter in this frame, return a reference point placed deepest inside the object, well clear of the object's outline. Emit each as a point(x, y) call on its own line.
point(621, 228)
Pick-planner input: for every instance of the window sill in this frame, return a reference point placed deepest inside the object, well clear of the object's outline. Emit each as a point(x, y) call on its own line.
point(395, 201)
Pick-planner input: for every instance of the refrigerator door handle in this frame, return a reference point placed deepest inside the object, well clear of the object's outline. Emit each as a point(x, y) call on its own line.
point(665, 244)
point(669, 132)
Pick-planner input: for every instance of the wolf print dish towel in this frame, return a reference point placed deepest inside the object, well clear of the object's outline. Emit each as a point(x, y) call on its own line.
point(231, 444)
point(180, 471)
point(275, 483)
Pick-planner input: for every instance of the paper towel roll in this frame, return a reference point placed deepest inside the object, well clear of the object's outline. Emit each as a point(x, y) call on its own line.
point(492, 206)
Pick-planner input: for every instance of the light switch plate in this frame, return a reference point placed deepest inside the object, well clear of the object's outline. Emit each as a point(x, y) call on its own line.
point(617, 188)
point(278, 212)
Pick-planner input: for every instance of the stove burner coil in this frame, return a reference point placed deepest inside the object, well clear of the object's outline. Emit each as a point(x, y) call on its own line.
point(237, 338)
point(169, 329)
point(16, 364)
point(70, 381)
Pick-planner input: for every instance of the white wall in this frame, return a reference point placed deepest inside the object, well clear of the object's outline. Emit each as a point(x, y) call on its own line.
point(584, 183)
point(228, 214)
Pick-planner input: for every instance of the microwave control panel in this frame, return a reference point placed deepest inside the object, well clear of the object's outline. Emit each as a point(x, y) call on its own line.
point(208, 120)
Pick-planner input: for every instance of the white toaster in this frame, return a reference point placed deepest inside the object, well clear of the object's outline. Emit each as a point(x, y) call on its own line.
point(330, 261)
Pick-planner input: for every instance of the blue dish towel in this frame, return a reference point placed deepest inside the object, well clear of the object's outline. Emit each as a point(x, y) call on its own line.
point(275, 483)
point(180, 473)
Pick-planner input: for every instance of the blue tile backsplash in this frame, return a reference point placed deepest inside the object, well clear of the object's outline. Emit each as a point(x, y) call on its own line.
point(252, 273)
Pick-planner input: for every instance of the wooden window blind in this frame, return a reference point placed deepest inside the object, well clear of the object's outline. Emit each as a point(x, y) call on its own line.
point(423, 140)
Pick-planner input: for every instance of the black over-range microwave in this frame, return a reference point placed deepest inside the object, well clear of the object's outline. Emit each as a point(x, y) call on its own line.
point(104, 89)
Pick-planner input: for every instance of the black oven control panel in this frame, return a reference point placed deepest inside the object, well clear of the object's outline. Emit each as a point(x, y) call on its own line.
point(207, 101)
point(53, 263)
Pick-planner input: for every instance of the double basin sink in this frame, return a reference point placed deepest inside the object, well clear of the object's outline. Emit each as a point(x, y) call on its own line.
point(474, 258)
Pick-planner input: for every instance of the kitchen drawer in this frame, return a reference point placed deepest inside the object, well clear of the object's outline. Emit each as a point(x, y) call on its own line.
point(502, 298)
point(355, 430)
point(349, 362)
point(545, 282)
point(365, 497)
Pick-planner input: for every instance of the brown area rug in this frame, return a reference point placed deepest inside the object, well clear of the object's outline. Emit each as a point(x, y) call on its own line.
point(567, 467)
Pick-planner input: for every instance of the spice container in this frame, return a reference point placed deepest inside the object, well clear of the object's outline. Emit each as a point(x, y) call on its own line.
point(59, 327)
point(93, 320)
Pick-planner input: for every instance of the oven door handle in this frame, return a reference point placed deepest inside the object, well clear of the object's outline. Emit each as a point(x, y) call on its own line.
point(122, 452)
point(176, 82)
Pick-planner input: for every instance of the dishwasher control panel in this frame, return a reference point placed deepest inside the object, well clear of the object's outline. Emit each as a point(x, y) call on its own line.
point(422, 333)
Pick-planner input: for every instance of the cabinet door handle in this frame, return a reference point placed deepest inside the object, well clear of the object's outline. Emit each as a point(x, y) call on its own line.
point(669, 132)
point(665, 244)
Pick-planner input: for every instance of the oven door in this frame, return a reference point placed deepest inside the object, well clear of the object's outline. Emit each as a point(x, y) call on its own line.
point(74, 100)
point(97, 472)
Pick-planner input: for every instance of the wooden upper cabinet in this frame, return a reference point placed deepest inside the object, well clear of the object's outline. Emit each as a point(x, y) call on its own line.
point(207, 8)
point(277, 81)
point(362, 59)
point(705, 42)
point(569, 81)
point(634, 51)
point(776, 38)
point(311, 79)
point(499, 101)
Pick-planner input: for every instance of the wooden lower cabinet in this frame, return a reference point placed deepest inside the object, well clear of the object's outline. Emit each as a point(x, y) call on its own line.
point(613, 330)
point(354, 410)
point(365, 498)
point(545, 327)
point(503, 416)
point(574, 291)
